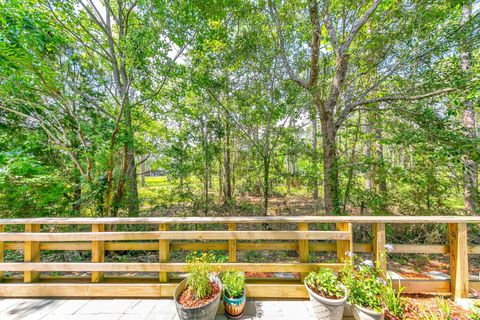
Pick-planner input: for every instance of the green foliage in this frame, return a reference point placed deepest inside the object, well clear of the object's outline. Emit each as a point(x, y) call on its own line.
point(476, 312)
point(364, 284)
point(227, 103)
point(325, 282)
point(198, 269)
point(233, 283)
point(393, 300)
point(445, 309)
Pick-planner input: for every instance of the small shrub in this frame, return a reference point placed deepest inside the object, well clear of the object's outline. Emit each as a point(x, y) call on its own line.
point(233, 282)
point(325, 283)
point(198, 269)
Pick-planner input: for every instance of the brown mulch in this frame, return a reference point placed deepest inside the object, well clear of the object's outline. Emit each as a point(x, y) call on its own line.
point(188, 300)
point(420, 305)
point(389, 316)
point(259, 275)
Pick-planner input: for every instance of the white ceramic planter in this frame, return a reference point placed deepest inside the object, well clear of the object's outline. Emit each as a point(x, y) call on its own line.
point(361, 313)
point(326, 309)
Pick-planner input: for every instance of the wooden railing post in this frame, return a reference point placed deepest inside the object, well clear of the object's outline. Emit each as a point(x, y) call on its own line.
point(2, 247)
point(457, 238)
point(344, 246)
point(378, 246)
point(31, 253)
point(98, 252)
point(164, 252)
point(232, 244)
point(303, 247)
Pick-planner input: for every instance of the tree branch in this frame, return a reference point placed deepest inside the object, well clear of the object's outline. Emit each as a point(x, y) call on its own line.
point(283, 51)
point(349, 108)
point(346, 44)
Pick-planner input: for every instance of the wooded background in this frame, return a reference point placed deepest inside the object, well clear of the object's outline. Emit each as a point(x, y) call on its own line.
point(350, 106)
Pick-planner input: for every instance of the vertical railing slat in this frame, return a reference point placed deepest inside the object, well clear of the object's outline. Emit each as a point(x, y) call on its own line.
point(344, 246)
point(457, 238)
point(31, 253)
point(232, 244)
point(98, 252)
point(164, 252)
point(378, 246)
point(303, 247)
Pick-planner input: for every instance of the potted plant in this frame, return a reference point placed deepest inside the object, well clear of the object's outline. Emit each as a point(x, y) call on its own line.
point(365, 287)
point(234, 295)
point(197, 297)
point(327, 294)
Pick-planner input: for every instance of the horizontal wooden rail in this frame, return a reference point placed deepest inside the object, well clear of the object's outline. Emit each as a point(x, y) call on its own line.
point(139, 288)
point(177, 235)
point(165, 267)
point(241, 246)
point(247, 220)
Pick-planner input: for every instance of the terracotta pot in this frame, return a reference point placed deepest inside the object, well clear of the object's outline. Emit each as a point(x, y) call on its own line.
point(324, 308)
point(234, 308)
point(361, 313)
point(205, 312)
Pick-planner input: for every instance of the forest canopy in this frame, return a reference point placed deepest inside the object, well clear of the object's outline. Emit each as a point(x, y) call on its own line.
point(136, 107)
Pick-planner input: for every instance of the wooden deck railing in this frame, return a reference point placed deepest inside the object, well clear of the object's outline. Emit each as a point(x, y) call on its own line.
point(230, 234)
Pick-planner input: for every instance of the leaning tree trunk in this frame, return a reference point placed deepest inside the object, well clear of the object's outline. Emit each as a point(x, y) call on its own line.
point(469, 123)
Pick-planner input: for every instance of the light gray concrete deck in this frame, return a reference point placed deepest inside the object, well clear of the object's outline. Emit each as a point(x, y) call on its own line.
point(137, 309)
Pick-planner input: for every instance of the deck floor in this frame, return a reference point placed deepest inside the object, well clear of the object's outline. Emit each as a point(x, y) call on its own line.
point(137, 309)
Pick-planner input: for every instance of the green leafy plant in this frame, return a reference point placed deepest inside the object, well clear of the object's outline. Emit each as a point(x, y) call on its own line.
point(393, 300)
point(364, 284)
point(475, 312)
point(325, 283)
point(198, 269)
point(234, 283)
point(445, 309)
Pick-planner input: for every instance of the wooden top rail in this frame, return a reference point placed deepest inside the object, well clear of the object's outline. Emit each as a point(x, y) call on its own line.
point(246, 220)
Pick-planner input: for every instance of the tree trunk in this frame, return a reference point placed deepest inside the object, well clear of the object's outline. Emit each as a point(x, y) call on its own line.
point(368, 155)
point(227, 189)
point(206, 172)
point(380, 171)
point(220, 180)
point(132, 196)
point(469, 123)
point(314, 155)
point(77, 195)
point(330, 164)
point(142, 173)
point(289, 175)
point(266, 184)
